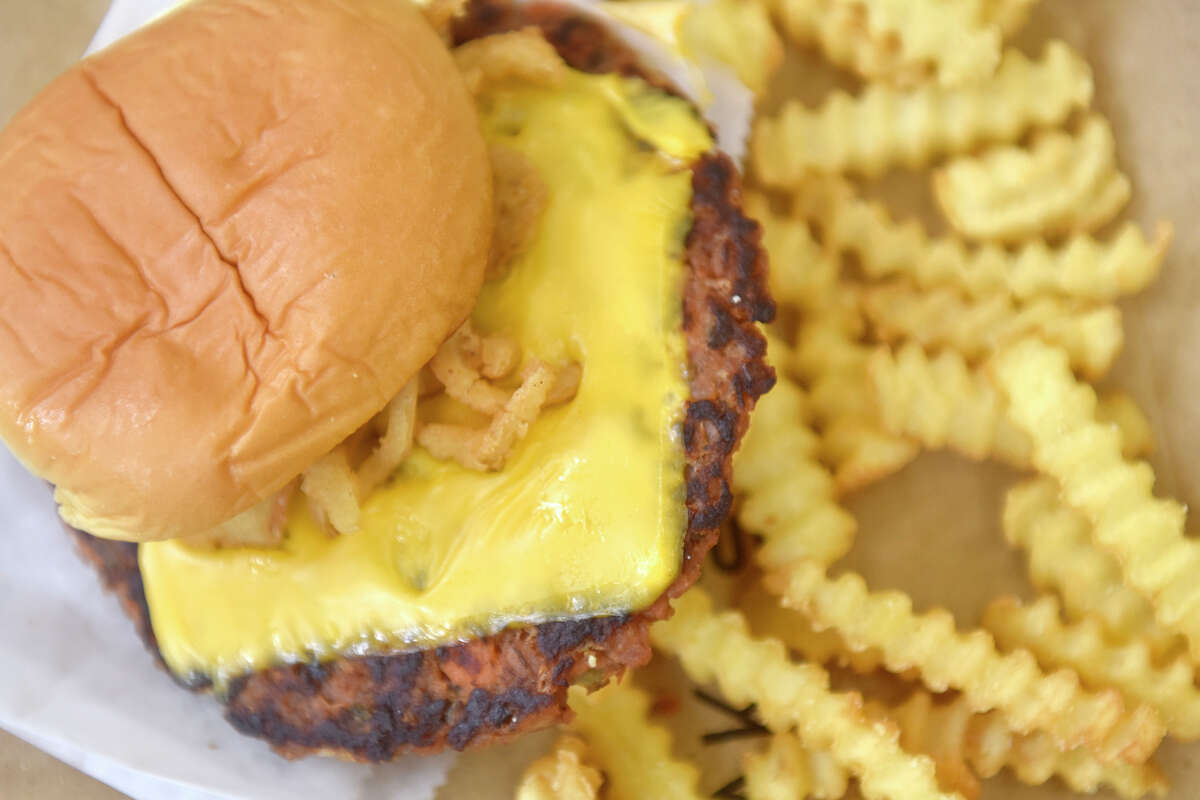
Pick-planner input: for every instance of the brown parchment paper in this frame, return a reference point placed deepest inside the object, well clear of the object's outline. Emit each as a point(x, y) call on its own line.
point(934, 529)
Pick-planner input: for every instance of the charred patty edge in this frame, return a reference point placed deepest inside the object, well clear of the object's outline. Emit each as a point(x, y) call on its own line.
point(375, 708)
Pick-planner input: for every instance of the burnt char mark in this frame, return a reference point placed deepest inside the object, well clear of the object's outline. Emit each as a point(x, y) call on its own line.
point(709, 499)
point(495, 712)
point(708, 423)
point(299, 708)
point(722, 330)
point(556, 638)
point(717, 188)
point(374, 708)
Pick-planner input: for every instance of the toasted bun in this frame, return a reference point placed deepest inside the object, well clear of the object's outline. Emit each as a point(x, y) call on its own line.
point(225, 243)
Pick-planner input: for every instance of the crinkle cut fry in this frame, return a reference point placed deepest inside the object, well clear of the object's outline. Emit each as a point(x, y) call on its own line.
point(786, 492)
point(767, 618)
point(1081, 267)
point(942, 318)
point(1144, 533)
point(787, 770)
point(634, 753)
point(853, 442)
point(954, 37)
point(940, 737)
point(861, 452)
point(957, 736)
point(1007, 15)
point(717, 647)
point(562, 774)
point(803, 275)
point(940, 401)
point(1062, 558)
point(838, 30)
point(885, 127)
point(1038, 627)
point(948, 659)
point(1060, 183)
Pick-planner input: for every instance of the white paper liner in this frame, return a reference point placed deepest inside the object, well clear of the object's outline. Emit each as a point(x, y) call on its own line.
point(74, 677)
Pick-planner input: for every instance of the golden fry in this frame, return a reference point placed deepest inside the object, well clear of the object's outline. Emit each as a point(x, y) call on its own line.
point(839, 30)
point(787, 770)
point(1007, 15)
point(951, 35)
point(885, 127)
point(852, 442)
point(943, 319)
point(947, 659)
point(862, 452)
point(954, 735)
point(942, 402)
point(1061, 184)
point(825, 345)
point(1082, 646)
point(1062, 558)
point(1082, 267)
point(563, 774)
point(768, 619)
point(1145, 533)
point(717, 647)
point(785, 490)
point(634, 753)
point(1122, 411)
point(803, 275)
point(923, 729)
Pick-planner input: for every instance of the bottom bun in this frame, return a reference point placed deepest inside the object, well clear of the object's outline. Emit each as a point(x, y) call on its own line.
point(375, 708)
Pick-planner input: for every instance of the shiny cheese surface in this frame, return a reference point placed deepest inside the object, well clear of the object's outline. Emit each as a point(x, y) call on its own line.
point(588, 514)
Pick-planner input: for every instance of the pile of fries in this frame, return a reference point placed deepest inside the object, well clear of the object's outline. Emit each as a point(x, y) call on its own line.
point(894, 339)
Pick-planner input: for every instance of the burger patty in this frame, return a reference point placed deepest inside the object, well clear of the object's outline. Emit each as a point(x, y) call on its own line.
point(374, 708)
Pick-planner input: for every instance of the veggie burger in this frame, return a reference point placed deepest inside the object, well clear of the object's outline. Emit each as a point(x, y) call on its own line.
point(387, 362)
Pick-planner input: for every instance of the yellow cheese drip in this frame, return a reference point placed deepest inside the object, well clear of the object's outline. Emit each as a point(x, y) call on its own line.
point(588, 516)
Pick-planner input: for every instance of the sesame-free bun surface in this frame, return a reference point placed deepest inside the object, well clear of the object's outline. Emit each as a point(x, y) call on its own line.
point(225, 243)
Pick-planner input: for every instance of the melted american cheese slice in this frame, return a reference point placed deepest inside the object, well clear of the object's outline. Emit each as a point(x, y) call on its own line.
point(588, 515)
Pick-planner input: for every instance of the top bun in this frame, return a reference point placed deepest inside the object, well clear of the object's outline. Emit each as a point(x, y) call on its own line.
point(225, 243)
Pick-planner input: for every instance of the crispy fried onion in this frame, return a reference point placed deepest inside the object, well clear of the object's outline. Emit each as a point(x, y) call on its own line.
point(522, 55)
point(521, 197)
point(467, 369)
point(463, 366)
point(336, 485)
point(259, 526)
